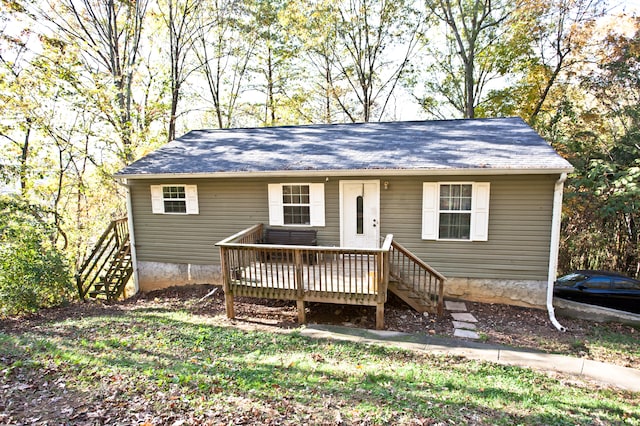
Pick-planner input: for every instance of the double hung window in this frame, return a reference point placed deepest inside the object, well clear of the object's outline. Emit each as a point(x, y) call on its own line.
point(296, 205)
point(174, 199)
point(455, 211)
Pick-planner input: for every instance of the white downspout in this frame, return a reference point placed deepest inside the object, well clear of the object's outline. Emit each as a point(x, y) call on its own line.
point(132, 239)
point(554, 248)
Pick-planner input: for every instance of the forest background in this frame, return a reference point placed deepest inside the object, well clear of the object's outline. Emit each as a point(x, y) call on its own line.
point(88, 86)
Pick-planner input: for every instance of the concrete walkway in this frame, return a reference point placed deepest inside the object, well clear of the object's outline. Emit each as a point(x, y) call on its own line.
point(622, 377)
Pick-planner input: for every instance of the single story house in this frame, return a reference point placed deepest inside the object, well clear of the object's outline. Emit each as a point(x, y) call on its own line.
point(477, 199)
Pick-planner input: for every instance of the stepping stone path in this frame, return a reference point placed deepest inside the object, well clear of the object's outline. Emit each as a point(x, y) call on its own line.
point(463, 322)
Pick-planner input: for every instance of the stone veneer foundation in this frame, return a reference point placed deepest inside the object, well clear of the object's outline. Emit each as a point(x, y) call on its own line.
point(157, 275)
point(509, 292)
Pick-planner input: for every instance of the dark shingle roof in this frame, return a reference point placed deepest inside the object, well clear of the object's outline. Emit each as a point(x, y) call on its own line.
point(500, 144)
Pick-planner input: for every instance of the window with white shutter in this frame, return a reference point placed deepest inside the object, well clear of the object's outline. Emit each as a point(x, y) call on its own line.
point(297, 204)
point(174, 199)
point(455, 211)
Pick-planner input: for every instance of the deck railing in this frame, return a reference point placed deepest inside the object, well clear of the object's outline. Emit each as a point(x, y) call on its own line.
point(304, 273)
point(326, 274)
point(100, 261)
point(417, 276)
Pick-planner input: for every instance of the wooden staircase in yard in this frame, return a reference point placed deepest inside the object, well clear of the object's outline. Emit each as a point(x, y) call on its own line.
point(414, 281)
point(107, 270)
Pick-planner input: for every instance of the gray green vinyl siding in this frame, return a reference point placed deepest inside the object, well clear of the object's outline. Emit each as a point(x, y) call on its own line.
point(519, 228)
point(226, 206)
point(519, 223)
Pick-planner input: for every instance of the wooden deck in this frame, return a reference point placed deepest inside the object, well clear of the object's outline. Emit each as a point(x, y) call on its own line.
point(308, 273)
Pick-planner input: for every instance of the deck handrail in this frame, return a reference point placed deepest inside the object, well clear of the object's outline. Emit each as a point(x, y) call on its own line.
point(309, 248)
point(99, 260)
point(114, 225)
point(417, 275)
point(255, 229)
point(417, 260)
point(386, 246)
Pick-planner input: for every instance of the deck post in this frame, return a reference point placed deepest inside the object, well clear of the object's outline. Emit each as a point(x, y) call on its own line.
point(302, 318)
point(381, 277)
point(228, 305)
point(228, 297)
point(380, 316)
point(440, 297)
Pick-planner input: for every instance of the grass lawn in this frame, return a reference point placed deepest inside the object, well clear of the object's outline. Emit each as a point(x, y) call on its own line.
point(149, 365)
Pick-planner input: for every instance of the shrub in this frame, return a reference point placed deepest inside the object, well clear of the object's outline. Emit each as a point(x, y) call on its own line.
point(33, 272)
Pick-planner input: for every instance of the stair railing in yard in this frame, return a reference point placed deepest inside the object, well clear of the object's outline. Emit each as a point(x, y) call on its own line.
point(99, 262)
point(411, 271)
point(119, 272)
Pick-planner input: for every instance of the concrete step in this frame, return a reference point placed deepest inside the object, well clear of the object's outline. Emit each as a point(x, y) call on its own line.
point(464, 325)
point(466, 334)
point(451, 305)
point(463, 316)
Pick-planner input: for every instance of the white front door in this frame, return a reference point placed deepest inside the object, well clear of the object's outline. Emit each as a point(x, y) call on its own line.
point(360, 213)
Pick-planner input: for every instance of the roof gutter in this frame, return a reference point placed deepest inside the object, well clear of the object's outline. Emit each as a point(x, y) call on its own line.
point(350, 172)
point(554, 248)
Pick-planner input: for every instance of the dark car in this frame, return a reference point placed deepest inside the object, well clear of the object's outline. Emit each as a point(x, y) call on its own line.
point(600, 288)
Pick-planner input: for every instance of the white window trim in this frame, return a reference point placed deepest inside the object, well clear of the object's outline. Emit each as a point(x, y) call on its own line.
point(316, 204)
point(191, 199)
point(480, 195)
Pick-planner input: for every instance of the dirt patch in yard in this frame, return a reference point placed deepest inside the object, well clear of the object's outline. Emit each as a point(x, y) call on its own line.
point(499, 324)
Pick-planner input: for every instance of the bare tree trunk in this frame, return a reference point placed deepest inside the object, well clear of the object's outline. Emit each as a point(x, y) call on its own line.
point(108, 33)
point(365, 29)
point(469, 80)
point(24, 157)
point(224, 49)
point(182, 21)
point(270, 110)
point(471, 25)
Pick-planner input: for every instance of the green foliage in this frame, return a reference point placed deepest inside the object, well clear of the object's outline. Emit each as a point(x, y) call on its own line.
point(33, 272)
point(602, 232)
point(602, 225)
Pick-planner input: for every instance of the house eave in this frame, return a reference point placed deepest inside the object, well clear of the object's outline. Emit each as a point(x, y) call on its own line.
point(350, 173)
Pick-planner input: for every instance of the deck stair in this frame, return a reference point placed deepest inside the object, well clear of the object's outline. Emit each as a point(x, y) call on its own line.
point(414, 281)
point(107, 270)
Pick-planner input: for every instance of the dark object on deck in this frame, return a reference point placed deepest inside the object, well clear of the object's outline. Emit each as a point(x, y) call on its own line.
point(296, 237)
point(291, 237)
